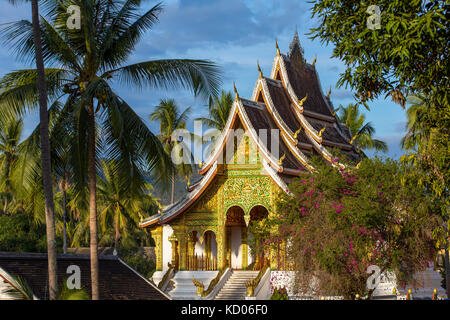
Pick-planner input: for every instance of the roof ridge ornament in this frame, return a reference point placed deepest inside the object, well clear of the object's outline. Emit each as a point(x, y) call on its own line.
point(322, 131)
point(301, 102)
point(280, 162)
point(296, 54)
point(260, 71)
point(329, 94)
point(314, 61)
point(336, 110)
point(278, 48)
point(235, 92)
point(353, 139)
point(297, 132)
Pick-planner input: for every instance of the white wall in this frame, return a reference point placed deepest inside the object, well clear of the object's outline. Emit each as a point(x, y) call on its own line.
point(166, 246)
point(236, 248)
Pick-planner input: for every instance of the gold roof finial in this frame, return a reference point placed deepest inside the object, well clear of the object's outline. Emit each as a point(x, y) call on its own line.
point(322, 130)
point(329, 93)
point(260, 71)
point(278, 48)
point(280, 162)
point(235, 91)
point(353, 139)
point(314, 61)
point(297, 132)
point(335, 111)
point(301, 102)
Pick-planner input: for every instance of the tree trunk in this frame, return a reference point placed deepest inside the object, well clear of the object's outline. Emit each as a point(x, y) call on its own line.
point(447, 270)
point(92, 202)
point(172, 198)
point(45, 154)
point(117, 235)
point(65, 222)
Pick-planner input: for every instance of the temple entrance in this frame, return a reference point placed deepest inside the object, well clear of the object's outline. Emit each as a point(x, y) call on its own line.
point(235, 234)
point(258, 213)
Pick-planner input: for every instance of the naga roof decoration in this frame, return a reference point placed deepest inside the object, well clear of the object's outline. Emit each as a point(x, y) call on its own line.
point(291, 101)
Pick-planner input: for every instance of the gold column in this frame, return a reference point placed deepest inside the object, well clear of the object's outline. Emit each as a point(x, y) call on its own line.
point(174, 241)
point(220, 238)
point(192, 239)
point(244, 247)
point(182, 252)
point(157, 237)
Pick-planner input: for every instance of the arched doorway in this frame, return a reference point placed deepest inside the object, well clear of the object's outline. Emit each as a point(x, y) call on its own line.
point(234, 226)
point(257, 214)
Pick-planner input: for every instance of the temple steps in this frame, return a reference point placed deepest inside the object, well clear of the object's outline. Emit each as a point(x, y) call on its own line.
point(234, 288)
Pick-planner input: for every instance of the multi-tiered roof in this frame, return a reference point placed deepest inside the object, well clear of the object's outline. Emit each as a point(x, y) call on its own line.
point(292, 101)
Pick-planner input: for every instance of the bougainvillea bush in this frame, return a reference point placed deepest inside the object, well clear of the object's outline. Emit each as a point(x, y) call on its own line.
point(279, 294)
point(339, 220)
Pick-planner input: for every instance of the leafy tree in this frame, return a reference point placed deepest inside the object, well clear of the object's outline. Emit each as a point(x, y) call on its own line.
point(362, 132)
point(340, 221)
point(407, 56)
point(171, 119)
point(122, 207)
point(10, 134)
point(219, 110)
point(84, 63)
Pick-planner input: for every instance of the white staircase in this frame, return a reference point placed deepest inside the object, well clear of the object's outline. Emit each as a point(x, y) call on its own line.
point(234, 288)
point(184, 288)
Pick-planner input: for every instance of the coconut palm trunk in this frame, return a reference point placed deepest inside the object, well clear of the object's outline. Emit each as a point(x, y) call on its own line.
point(65, 221)
point(92, 176)
point(447, 269)
point(172, 195)
point(45, 154)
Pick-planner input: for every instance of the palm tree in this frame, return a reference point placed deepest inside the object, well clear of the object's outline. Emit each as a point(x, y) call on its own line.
point(170, 119)
point(219, 110)
point(45, 145)
point(10, 133)
point(84, 63)
point(362, 132)
point(122, 207)
point(416, 134)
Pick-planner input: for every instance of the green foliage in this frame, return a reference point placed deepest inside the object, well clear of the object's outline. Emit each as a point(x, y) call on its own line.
point(138, 261)
point(362, 132)
point(279, 294)
point(408, 56)
point(72, 294)
point(19, 234)
point(340, 221)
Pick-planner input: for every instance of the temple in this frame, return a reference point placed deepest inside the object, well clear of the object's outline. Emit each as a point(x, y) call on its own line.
point(287, 121)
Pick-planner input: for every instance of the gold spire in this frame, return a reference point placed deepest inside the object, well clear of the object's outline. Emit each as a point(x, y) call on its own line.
point(260, 71)
point(322, 130)
point(280, 162)
point(329, 93)
point(297, 132)
point(235, 91)
point(301, 102)
point(353, 139)
point(278, 48)
point(314, 61)
point(335, 111)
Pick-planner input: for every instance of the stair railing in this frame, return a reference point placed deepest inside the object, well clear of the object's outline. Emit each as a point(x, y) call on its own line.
point(252, 284)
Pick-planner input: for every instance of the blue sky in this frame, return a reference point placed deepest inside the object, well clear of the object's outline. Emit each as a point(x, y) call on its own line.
point(235, 34)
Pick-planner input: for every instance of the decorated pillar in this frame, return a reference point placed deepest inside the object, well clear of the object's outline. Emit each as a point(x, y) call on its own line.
point(220, 238)
point(156, 234)
point(175, 258)
point(182, 252)
point(244, 241)
point(191, 240)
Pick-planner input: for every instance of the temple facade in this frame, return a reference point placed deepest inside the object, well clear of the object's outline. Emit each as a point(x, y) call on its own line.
point(268, 140)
